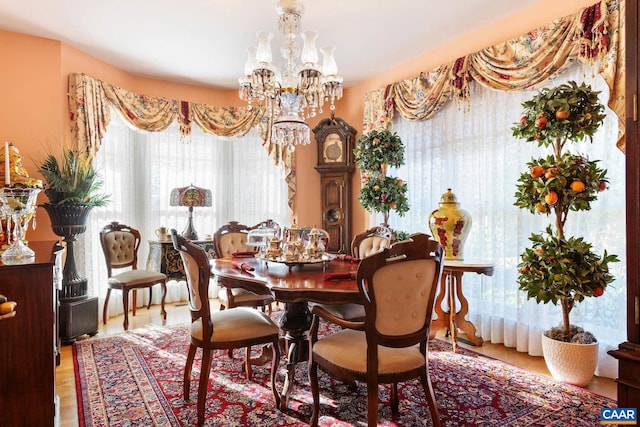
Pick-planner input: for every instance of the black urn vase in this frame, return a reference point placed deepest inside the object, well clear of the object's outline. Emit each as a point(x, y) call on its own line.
point(69, 221)
point(78, 314)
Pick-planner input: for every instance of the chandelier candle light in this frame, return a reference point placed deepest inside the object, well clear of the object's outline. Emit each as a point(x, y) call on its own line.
point(296, 90)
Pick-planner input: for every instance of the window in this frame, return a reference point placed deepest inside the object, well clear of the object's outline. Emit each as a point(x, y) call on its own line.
point(141, 168)
point(475, 154)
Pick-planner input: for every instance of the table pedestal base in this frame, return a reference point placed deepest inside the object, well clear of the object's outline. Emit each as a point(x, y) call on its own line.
point(295, 322)
point(452, 318)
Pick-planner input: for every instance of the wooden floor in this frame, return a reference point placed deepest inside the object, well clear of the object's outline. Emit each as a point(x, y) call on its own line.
point(178, 313)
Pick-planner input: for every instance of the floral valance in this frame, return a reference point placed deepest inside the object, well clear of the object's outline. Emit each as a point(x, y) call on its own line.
point(90, 101)
point(594, 35)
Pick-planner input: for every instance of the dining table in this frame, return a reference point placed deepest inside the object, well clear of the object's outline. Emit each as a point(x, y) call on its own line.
point(295, 285)
point(333, 282)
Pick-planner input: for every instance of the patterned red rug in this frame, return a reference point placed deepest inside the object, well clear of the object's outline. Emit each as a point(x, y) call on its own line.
point(135, 379)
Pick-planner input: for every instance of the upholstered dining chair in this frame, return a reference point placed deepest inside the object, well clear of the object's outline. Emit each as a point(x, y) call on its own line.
point(397, 287)
point(363, 245)
point(371, 241)
point(120, 245)
point(231, 239)
point(238, 327)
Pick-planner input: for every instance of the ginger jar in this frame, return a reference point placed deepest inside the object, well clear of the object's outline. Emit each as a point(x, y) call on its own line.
point(450, 225)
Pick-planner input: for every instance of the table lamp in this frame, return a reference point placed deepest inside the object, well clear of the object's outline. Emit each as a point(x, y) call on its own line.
point(190, 196)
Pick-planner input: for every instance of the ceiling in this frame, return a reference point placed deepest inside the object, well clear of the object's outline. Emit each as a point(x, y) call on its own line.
point(204, 42)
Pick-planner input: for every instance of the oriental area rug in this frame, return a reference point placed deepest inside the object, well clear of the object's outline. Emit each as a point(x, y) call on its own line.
point(135, 379)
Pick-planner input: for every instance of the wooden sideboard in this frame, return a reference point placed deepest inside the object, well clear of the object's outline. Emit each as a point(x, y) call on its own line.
point(29, 341)
point(165, 259)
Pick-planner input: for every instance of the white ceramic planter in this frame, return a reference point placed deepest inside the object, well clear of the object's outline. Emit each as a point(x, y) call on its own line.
point(570, 363)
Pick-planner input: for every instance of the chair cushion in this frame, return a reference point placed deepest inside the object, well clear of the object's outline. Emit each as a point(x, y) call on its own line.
point(348, 349)
point(233, 242)
point(416, 277)
point(241, 296)
point(136, 277)
point(372, 245)
point(119, 248)
point(347, 311)
point(236, 324)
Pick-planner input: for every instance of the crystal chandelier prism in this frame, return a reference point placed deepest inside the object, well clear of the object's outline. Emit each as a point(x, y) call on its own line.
point(297, 90)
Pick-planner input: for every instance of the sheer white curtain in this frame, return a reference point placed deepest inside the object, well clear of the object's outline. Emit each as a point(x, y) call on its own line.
point(475, 154)
point(141, 168)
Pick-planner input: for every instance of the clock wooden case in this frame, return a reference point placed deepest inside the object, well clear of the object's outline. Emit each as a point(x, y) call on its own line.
point(335, 140)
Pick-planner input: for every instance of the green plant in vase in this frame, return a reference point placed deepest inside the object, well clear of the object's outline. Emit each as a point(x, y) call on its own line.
point(73, 189)
point(72, 180)
point(374, 153)
point(559, 269)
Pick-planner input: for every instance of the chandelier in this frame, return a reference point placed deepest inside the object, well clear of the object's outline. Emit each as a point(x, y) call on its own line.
point(296, 91)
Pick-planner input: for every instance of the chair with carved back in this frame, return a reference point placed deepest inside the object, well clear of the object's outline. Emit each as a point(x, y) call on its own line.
point(238, 327)
point(231, 239)
point(363, 245)
point(120, 245)
point(397, 287)
point(371, 241)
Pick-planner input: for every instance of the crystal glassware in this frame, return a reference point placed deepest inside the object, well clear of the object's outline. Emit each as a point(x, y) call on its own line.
point(18, 206)
point(260, 238)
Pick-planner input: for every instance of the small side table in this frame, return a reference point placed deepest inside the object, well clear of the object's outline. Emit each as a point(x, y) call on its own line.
point(451, 287)
point(165, 259)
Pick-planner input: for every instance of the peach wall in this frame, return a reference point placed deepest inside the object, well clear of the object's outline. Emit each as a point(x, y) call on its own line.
point(30, 100)
point(37, 69)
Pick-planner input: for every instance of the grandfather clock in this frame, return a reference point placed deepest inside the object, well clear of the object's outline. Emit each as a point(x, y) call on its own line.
point(336, 139)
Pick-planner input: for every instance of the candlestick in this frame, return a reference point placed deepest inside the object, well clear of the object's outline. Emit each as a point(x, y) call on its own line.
point(7, 165)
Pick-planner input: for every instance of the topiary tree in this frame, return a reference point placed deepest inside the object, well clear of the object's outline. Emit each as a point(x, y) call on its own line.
point(558, 269)
point(374, 153)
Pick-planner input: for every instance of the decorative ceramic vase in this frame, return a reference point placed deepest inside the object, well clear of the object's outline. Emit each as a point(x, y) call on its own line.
point(450, 225)
point(569, 362)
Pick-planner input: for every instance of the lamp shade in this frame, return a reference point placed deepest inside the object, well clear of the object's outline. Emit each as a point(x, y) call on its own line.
point(191, 196)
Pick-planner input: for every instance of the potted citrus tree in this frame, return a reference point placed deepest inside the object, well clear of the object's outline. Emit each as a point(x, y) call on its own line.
point(557, 268)
point(374, 153)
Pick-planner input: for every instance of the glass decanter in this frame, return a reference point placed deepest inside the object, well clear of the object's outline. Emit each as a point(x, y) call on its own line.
point(18, 206)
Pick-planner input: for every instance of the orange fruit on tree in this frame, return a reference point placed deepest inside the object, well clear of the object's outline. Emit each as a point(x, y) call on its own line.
point(541, 122)
point(551, 198)
point(536, 171)
point(577, 186)
point(551, 172)
point(541, 207)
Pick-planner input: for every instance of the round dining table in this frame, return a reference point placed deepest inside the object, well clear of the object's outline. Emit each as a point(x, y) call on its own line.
point(295, 285)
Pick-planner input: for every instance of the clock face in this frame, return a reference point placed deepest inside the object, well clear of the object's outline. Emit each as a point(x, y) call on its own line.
point(332, 152)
